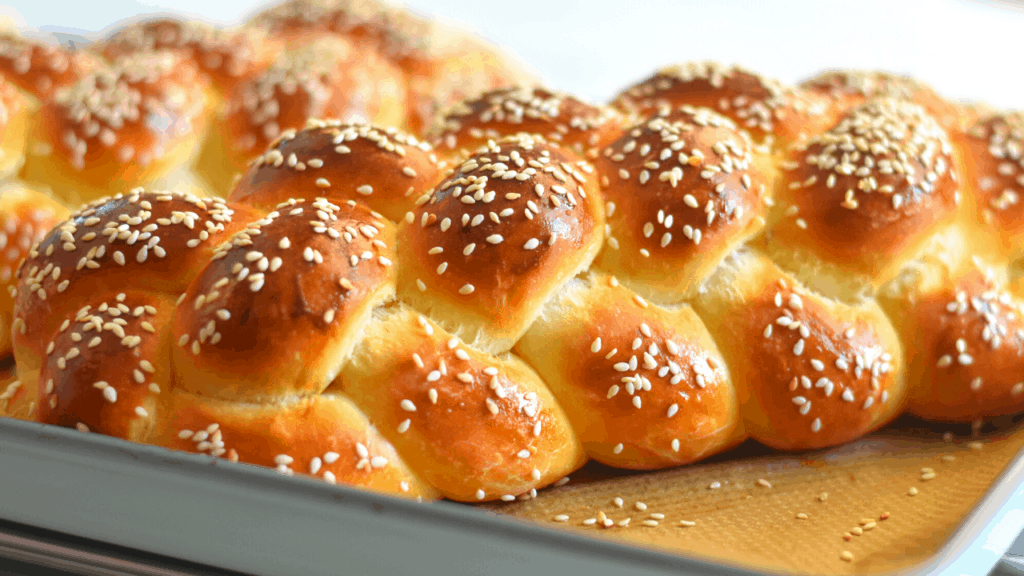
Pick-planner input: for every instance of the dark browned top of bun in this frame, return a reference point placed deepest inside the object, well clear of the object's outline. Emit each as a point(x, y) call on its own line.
point(557, 117)
point(762, 105)
point(384, 168)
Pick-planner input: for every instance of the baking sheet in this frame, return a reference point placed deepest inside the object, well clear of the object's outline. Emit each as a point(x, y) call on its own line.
point(251, 519)
point(757, 523)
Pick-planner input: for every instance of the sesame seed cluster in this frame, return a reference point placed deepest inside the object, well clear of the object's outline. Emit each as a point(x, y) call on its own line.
point(134, 108)
point(25, 217)
point(538, 281)
point(224, 55)
point(558, 117)
point(763, 106)
point(39, 68)
point(127, 114)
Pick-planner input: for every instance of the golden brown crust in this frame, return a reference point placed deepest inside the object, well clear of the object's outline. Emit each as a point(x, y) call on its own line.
point(309, 273)
point(477, 427)
point(486, 248)
point(441, 64)
point(681, 194)
point(147, 240)
point(118, 127)
point(290, 20)
point(850, 88)
point(862, 197)
point(38, 68)
point(966, 328)
point(25, 218)
point(324, 437)
point(809, 372)
point(558, 117)
point(451, 67)
point(14, 112)
point(104, 372)
point(644, 387)
point(222, 56)
point(327, 77)
point(384, 168)
point(993, 162)
point(764, 106)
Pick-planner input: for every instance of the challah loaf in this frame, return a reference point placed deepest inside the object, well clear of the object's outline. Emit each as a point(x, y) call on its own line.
point(713, 256)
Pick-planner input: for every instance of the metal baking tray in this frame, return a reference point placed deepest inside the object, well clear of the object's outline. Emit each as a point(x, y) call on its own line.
point(252, 520)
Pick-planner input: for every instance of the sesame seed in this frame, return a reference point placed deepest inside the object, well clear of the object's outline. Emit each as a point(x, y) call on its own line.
point(687, 523)
point(912, 491)
point(467, 289)
point(407, 405)
point(561, 518)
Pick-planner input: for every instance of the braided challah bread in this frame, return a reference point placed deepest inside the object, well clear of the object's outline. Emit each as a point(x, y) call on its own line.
point(133, 108)
point(472, 315)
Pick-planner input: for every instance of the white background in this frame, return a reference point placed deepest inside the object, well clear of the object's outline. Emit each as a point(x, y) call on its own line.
point(967, 49)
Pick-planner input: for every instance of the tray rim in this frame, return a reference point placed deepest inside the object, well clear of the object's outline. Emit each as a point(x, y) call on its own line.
point(969, 547)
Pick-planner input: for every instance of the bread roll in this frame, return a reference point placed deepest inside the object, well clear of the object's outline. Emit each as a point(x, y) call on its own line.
point(850, 88)
point(121, 125)
point(774, 114)
point(646, 387)
point(326, 77)
point(475, 426)
point(681, 193)
point(559, 118)
point(324, 437)
point(386, 169)
point(809, 372)
point(486, 248)
point(223, 57)
point(38, 68)
point(856, 202)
